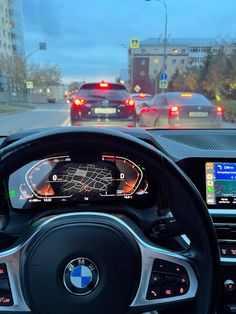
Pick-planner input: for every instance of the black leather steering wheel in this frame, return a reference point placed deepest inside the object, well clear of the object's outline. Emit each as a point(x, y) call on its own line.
point(118, 258)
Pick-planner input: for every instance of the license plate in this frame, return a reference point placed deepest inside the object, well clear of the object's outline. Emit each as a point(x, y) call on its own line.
point(198, 114)
point(105, 110)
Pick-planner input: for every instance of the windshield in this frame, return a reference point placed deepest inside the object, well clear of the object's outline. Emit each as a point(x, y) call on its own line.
point(108, 63)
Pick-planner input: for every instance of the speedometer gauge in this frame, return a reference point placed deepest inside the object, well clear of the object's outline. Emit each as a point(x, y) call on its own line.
point(39, 177)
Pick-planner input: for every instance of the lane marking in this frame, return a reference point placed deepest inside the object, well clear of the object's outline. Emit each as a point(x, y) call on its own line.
point(51, 110)
point(67, 122)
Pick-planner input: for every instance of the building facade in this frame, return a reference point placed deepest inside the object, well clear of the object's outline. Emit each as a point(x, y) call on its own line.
point(11, 28)
point(146, 62)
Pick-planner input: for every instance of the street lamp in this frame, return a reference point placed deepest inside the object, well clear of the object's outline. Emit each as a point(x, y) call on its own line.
point(163, 2)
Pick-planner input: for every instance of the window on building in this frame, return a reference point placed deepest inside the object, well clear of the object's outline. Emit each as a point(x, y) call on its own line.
point(183, 51)
point(182, 61)
point(155, 51)
point(3, 21)
point(143, 62)
point(14, 48)
point(5, 45)
point(143, 51)
point(174, 61)
point(142, 73)
point(215, 51)
point(9, 35)
point(4, 33)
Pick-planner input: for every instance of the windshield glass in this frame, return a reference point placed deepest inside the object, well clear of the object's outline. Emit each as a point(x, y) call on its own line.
point(108, 63)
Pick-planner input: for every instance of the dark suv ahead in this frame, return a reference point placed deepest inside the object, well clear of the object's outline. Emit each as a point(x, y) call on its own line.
point(103, 104)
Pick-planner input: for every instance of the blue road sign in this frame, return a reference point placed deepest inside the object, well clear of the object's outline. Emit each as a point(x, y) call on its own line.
point(164, 76)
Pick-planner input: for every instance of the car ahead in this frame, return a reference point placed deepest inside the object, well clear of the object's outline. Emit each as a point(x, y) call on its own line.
point(141, 100)
point(181, 110)
point(103, 104)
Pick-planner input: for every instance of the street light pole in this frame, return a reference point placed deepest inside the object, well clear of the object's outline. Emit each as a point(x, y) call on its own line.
point(163, 2)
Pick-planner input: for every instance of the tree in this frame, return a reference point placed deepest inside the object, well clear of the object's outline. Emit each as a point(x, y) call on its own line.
point(177, 82)
point(44, 76)
point(74, 87)
point(14, 69)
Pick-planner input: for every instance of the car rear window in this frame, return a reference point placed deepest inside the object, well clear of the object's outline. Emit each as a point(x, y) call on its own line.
point(185, 99)
point(112, 92)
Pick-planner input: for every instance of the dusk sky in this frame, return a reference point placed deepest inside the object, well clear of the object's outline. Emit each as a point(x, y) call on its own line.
point(85, 37)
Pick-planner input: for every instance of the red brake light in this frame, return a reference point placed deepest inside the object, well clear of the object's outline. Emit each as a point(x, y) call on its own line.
point(103, 85)
point(130, 102)
point(219, 109)
point(79, 101)
point(142, 95)
point(174, 111)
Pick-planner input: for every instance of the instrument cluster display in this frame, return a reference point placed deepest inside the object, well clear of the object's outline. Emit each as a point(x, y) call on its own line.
point(66, 179)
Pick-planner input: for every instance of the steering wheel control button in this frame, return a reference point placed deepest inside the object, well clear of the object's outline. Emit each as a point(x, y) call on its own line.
point(155, 279)
point(183, 279)
point(169, 279)
point(4, 285)
point(3, 271)
point(153, 293)
point(81, 276)
point(229, 285)
point(177, 269)
point(168, 292)
point(160, 265)
point(6, 299)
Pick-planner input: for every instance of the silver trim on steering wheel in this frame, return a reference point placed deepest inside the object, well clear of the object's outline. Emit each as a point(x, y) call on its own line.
point(149, 253)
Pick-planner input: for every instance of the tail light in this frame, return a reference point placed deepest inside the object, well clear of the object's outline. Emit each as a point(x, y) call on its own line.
point(104, 85)
point(79, 102)
point(219, 109)
point(129, 102)
point(174, 111)
point(142, 95)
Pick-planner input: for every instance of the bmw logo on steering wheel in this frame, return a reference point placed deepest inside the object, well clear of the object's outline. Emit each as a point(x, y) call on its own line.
point(81, 276)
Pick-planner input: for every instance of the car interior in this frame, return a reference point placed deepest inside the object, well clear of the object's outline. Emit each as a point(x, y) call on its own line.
point(159, 240)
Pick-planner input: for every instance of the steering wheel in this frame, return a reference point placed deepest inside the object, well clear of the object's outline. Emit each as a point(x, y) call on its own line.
point(87, 262)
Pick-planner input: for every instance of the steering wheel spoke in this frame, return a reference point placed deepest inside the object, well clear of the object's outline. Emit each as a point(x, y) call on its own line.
point(11, 294)
point(166, 277)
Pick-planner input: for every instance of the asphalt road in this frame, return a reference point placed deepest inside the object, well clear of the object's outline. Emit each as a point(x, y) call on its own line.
point(45, 115)
point(42, 115)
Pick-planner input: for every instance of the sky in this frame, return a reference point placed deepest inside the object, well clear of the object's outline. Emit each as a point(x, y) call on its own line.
point(89, 38)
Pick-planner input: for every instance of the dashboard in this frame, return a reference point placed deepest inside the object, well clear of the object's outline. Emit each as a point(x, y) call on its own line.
point(77, 179)
point(207, 157)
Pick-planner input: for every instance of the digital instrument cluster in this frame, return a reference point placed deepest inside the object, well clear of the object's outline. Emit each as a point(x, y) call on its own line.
point(67, 179)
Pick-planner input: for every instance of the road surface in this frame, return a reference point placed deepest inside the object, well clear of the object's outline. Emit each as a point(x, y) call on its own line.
point(42, 115)
point(45, 115)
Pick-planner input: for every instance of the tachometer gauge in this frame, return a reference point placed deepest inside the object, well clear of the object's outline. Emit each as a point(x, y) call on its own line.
point(130, 175)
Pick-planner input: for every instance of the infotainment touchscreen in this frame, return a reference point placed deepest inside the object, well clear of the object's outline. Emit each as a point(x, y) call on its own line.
point(220, 183)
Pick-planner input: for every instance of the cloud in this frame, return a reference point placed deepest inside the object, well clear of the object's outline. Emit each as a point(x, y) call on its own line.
point(85, 37)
